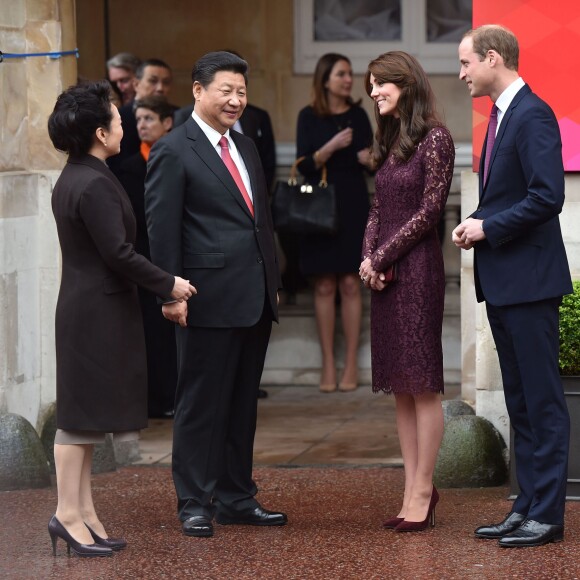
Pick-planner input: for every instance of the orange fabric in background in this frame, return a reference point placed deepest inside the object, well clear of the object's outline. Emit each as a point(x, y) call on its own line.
point(145, 150)
point(549, 37)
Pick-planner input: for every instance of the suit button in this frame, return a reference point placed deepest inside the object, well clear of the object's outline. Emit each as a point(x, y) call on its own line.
point(260, 260)
point(257, 230)
point(478, 209)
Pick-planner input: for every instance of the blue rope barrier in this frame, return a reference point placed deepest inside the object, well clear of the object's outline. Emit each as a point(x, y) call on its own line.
point(53, 55)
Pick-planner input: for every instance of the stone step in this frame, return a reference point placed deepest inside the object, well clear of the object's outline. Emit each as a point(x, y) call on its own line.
point(294, 357)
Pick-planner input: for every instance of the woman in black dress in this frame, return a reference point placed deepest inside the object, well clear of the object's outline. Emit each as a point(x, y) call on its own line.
point(336, 132)
point(101, 377)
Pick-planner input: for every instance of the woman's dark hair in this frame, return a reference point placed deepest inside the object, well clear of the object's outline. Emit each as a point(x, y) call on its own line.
point(416, 106)
point(211, 63)
point(322, 72)
point(78, 113)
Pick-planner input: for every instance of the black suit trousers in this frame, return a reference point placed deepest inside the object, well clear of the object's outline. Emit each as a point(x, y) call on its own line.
point(527, 341)
point(215, 416)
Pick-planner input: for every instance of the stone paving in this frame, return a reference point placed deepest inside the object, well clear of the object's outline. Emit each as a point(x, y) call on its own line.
point(310, 463)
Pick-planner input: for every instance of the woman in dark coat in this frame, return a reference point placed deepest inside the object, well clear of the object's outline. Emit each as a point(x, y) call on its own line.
point(100, 348)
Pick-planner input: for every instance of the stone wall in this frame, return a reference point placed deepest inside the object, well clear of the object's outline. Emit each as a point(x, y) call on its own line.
point(181, 31)
point(29, 166)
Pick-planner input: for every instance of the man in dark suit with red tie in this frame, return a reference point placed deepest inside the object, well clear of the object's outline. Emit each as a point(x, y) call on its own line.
point(208, 215)
point(521, 272)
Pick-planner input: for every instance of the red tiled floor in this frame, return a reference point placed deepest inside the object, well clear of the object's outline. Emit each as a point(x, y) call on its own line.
point(334, 532)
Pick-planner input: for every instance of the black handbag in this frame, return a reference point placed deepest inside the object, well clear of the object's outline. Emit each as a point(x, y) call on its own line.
point(305, 208)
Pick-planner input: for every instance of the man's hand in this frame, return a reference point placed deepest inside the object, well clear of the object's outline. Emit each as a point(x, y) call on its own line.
point(176, 312)
point(467, 233)
point(182, 289)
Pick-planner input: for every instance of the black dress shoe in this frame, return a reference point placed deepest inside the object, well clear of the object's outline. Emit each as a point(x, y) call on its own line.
point(253, 517)
point(512, 522)
point(198, 526)
point(262, 394)
point(532, 533)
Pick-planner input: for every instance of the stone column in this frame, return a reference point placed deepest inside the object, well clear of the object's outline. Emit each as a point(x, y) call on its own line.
point(29, 166)
point(481, 377)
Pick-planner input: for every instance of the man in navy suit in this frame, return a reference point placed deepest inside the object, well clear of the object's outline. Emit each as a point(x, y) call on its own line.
point(208, 214)
point(521, 272)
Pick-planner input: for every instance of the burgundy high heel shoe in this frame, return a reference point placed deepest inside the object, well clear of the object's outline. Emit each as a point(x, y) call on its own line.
point(392, 523)
point(406, 526)
point(114, 543)
point(57, 530)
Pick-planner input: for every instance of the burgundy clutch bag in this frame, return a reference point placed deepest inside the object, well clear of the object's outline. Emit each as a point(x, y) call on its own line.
point(391, 273)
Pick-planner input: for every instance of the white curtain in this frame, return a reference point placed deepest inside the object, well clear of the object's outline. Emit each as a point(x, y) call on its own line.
point(358, 20)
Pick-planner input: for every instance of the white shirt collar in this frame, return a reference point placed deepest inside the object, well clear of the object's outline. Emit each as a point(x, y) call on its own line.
point(505, 99)
point(213, 135)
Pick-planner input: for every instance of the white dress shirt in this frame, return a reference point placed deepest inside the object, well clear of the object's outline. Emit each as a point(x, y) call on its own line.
point(214, 138)
point(505, 99)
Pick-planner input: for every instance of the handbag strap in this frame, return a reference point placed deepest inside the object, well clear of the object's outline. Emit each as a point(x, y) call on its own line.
point(292, 179)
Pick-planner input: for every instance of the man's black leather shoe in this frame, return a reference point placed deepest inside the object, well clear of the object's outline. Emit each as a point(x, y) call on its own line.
point(254, 517)
point(512, 522)
point(532, 533)
point(262, 394)
point(198, 526)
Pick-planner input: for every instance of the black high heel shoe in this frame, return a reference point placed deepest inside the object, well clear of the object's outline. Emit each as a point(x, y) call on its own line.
point(406, 526)
point(114, 543)
point(57, 530)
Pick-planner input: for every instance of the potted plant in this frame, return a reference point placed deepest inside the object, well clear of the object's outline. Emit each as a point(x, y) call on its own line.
point(570, 336)
point(570, 373)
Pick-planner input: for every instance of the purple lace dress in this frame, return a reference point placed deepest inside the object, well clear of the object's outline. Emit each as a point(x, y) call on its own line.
point(407, 316)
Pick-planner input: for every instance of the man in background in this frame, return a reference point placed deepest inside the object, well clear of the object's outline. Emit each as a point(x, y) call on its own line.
point(154, 120)
point(121, 70)
point(153, 77)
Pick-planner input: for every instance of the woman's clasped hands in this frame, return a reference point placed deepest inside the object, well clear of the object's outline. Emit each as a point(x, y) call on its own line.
point(370, 277)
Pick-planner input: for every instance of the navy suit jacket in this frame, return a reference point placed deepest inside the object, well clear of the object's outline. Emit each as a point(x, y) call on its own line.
point(200, 228)
point(522, 258)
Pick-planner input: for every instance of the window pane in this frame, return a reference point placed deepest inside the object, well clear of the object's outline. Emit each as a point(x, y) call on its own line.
point(360, 20)
point(448, 20)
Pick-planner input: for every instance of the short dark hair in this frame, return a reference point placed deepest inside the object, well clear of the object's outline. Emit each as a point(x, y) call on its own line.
point(150, 62)
point(209, 64)
point(157, 104)
point(78, 113)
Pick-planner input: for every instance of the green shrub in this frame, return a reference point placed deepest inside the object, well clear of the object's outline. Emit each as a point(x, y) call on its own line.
point(570, 332)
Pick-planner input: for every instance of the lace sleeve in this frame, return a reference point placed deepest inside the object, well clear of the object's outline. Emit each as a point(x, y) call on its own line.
point(372, 231)
point(437, 166)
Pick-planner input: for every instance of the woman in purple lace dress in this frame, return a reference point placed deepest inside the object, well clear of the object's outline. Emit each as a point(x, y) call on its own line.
point(414, 156)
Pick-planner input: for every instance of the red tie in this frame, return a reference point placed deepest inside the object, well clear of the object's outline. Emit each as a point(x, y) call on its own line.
point(229, 162)
point(491, 130)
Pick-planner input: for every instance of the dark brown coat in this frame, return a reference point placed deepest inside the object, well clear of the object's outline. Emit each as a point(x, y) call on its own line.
point(100, 347)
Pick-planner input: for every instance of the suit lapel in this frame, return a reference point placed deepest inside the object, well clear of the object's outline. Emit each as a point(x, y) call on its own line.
point(503, 127)
point(206, 152)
